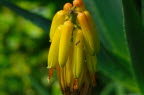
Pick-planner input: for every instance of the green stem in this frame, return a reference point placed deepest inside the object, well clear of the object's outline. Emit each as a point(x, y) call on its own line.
point(135, 38)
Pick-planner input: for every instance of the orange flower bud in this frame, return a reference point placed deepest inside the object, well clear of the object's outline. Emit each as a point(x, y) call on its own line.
point(67, 7)
point(79, 4)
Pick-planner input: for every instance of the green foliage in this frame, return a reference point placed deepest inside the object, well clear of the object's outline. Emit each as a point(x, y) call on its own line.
point(24, 46)
point(135, 35)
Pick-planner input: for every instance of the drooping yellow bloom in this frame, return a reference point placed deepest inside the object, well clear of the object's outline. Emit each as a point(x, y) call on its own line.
point(65, 41)
point(93, 29)
point(57, 20)
point(73, 50)
point(88, 37)
point(79, 53)
point(54, 48)
point(69, 65)
point(91, 63)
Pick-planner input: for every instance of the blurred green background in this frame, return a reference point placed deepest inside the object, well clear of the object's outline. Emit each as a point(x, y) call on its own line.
point(24, 45)
point(23, 51)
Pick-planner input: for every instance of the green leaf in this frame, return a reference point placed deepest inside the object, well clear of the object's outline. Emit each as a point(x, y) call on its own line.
point(135, 35)
point(113, 87)
point(36, 19)
point(115, 62)
point(107, 89)
point(108, 17)
point(109, 65)
point(119, 89)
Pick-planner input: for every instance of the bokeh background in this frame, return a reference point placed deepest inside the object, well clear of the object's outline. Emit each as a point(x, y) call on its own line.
point(24, 45)
point(23, 50)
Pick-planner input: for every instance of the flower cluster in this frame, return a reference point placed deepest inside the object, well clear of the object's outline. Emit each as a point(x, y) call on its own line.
point(74, 45)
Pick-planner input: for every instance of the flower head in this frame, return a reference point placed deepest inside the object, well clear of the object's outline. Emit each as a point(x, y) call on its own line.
point(74, 45)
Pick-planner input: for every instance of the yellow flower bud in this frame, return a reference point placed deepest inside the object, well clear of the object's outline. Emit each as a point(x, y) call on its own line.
point(65, 41)
point(54, 48)
point(79, 54)
point(93, 29)
point(58, 19)
point(73, 49)
point(88, 37)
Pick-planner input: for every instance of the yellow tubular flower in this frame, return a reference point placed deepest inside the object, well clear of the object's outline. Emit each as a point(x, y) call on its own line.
point(88, 37)
point(62, 82)
point(94, 30)
point(89, 64)
point(81, 78)
point(54, 48)
point(69, 67)
point(73, 50)
point(79, 53)
point(58, 19)
point(59, 75)
point(65, 41)
point(94, 62)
